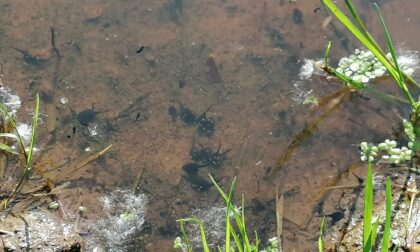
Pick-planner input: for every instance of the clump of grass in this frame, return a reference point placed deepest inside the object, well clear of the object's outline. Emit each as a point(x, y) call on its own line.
point(236, 235)
point(23, 149)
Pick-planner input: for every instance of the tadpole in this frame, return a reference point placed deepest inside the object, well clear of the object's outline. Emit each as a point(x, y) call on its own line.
point(86, 116)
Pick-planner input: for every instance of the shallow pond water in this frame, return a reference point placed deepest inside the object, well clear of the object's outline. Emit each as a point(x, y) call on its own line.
point(185, 88)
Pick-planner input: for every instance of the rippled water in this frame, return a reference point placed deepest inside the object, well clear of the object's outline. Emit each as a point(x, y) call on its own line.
point(185, 88)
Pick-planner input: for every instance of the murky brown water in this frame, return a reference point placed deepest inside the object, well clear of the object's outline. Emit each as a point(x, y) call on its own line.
point(135, 68)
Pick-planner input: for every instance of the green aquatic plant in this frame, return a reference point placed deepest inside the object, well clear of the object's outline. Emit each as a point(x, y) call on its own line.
point(23, 146)
point(236, 235)
point(370, 222)
point(321, 235)
point(386, 238)
point(359, 68)
point(362, 34)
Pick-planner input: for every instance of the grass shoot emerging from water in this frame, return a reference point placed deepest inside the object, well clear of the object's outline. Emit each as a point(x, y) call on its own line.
point(236, 236)
point(27, 153)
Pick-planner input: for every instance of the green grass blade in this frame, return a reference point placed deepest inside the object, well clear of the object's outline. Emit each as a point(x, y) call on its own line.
point(33, 134)
point(367, 247)
point(231, 208)
point(194, 220)
point(327, 54)
point(242, 226)
point(321, 235)
point(13, 123)
point(400, 79)
point(229, 228)
point(368, 208)
point(237, 241)
point(206, 247)
point(28, 156)
point(222, 193)
point(362, 26)
point(386, 240)
point(355, 84)
point(374, 231)
point(257, 241)
point(10, 135)
point(8, 149)
point(184, 234)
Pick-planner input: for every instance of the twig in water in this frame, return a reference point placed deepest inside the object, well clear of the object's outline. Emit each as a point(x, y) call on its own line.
point(86, 161)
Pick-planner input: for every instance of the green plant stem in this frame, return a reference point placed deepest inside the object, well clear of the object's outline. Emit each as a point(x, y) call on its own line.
point(29, 156)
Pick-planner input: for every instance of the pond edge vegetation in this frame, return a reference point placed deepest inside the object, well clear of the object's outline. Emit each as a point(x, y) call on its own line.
point(371, 223)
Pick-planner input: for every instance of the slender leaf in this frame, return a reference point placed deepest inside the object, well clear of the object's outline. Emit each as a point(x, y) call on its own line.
point(203, 236)
point(10, 135)
point(386, 240)
point(321, 235)
point(228, 225)
point(400, 79)
point(8, 149)
point(184, 234)
point(238, 244)
point(196, 221)
point(327, 53)
point(367, 246)
point(368, 208)
point(238, 219)
point(361, 25)
point(29, 155)
point(257, 241)
point(33, 134)
point(374, 231)
point(355, 84)
point(10, 119)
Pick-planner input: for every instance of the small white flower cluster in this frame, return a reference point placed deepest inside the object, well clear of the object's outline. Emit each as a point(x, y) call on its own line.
point(362, 66)
point(389, 147)
point(273, 245)
point(409, 131)
point(369, 152)
point(394, 154)
point(391, 152)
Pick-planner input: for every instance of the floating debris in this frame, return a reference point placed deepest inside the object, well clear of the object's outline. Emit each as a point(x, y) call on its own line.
point(300, 93)
point(64, 100)
point(307, 69)
point(25, 132)
point(126, 215)
point(214, 220)
point(10, 100)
